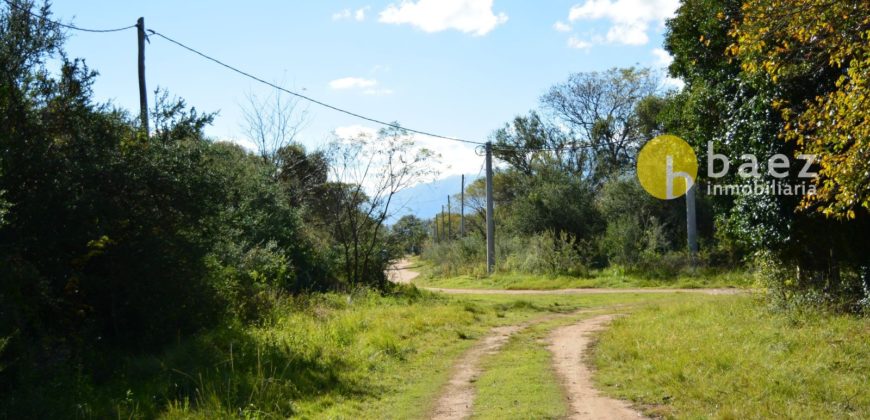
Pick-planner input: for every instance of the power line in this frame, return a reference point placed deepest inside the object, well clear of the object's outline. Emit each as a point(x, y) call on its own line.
point(65, 25)
point(11, 4)
point(307, 98)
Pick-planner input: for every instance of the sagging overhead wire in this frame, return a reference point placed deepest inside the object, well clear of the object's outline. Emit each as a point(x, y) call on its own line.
point(479, 144)
point(11, 4)
point(307, 98)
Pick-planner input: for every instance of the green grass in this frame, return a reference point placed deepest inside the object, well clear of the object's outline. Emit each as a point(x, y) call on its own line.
point(519, 381)
point(371, 356)
point(729, 357)
point(376, 358)
point(606, 278)
point(326, 356)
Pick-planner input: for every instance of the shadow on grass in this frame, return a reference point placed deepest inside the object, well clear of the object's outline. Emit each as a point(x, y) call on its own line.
point(227, 372)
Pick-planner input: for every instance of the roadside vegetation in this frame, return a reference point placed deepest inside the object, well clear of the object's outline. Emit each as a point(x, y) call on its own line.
point(359, 355)
point(756, 82)
point(734, 357)
point(169, 274)
point(608, 278)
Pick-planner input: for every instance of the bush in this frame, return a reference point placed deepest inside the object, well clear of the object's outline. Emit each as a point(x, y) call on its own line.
point(547, 253)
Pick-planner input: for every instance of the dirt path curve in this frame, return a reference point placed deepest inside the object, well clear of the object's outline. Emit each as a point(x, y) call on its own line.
point(569, 346)
point(401, 272)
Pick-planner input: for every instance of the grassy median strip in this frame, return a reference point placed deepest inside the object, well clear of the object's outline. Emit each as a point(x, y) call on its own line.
point(730, 357)
point(519, 381)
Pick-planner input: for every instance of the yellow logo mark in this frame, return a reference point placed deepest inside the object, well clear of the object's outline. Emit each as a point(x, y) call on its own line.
point(667, 167)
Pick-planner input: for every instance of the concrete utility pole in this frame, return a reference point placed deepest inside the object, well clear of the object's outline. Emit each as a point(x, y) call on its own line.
point(143, 92)
point(435, 238)
point(442, 221)
point(691, 224)
point(462, 209)
point(490, 223)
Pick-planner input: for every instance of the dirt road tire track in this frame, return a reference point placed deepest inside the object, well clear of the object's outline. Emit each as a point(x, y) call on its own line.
point(570, 347)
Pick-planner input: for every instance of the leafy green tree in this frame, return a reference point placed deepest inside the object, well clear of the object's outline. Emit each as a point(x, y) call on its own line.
point(411, 233)
point(822, 46)
point(736, 110)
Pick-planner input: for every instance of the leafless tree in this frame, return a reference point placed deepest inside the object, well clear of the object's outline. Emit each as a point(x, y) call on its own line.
point(600, 108)
point(273, 122)
point(370, 171)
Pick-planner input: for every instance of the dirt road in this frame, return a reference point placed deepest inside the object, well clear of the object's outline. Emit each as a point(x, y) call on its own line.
point(569, 346)
point(402, 272)
point(587, 291)
point(457, 397)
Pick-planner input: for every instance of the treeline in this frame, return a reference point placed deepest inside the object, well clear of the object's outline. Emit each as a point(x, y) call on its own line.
point(567, 200)
point(759, 79)
point(114, 242)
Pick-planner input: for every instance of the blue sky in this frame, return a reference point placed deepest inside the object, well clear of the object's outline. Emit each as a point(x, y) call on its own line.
point(456, 67)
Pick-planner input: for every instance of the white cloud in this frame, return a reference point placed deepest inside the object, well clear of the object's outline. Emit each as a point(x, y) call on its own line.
point(630, 20)
point(352, 83)
point(578, 43)
point(562, 27)
point(671, 82)
point(366, 86)
point(663, 58)
point(468, 16)
point(358, 15)
point(341, 15)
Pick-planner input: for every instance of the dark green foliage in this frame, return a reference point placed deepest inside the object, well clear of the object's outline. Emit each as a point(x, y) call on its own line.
point(577, 204)
point(735, 110)
point(111, 241)
point(410, 233)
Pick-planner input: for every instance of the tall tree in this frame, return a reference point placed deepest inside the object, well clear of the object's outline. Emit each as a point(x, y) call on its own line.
point(600, 108)
point(816, 53)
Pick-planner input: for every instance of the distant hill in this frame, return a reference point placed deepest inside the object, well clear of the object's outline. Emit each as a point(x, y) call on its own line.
point(425, 200)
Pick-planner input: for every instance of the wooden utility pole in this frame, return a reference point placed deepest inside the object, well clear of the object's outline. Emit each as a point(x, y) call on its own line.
point(691, 224)
point(462, 209)
point(449, 222)
point(490, 223)
point(143, 91)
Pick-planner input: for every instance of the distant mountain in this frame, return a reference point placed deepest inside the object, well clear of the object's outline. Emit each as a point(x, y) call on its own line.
point(425, 200)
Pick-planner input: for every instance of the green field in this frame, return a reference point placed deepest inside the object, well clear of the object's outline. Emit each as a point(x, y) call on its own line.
point(371, 356)
point(332, 355)
point(730, 357)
